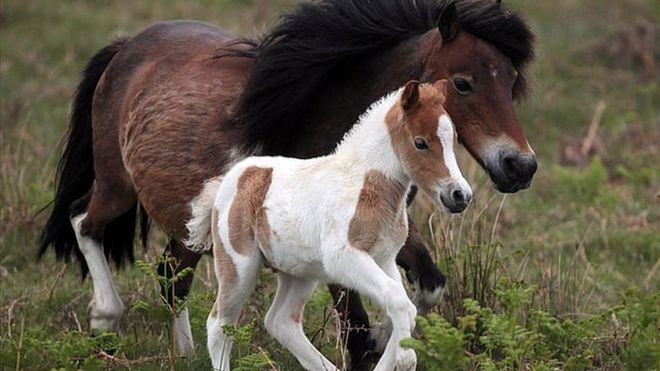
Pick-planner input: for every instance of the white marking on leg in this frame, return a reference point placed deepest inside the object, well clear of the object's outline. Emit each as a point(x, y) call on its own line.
point(218, 343)
point(182, 333)
point(425, 300)
point(106, 307)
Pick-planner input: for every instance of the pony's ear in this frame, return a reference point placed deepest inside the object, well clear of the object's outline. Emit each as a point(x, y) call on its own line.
point(498, 3)
point(410, 95)
point(441, 86)
point(448, 23)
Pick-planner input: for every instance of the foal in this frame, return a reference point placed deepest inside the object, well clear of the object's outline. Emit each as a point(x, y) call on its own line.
point(340, 218)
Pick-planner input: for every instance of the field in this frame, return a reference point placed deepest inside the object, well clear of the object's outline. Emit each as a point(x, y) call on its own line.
point(565, 275)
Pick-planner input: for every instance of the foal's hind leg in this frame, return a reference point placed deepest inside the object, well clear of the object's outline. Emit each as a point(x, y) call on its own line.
point(184, 258)
point(284, 321)
point(89, 222)
point(237, 278)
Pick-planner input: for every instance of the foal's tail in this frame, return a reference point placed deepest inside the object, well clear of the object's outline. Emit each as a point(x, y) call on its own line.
point(200, 231)
point(75, 173)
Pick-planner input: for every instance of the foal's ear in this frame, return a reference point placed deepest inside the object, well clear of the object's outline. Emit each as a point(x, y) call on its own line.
point(410, 95)
point(448, 23)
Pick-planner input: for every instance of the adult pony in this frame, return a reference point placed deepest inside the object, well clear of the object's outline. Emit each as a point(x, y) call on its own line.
point(156, 115)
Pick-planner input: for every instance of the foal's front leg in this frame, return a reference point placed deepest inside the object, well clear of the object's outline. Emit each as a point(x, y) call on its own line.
point(357, 269)
point(381, 332)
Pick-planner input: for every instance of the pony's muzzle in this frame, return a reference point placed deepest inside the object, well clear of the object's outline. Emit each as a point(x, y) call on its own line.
point(512, 170)
point(520, 167)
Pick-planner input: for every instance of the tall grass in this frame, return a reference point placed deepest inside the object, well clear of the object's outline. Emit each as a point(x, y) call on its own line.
point(565, 272)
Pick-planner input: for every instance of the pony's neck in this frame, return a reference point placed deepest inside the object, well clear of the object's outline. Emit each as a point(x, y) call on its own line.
point(351, 90)
point(368, 147)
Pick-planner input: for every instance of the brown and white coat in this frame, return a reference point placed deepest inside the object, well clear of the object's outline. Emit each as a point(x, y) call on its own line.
point(339, 218)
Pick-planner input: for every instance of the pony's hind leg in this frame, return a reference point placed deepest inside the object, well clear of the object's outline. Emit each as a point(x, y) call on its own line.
point(284, 321)
point(106, 308)
point(176, 258)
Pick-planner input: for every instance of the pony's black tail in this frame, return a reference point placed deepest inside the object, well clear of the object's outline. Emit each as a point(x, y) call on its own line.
point(75, 176)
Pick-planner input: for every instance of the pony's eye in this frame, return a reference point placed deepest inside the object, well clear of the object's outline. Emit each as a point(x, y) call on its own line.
point(420, 144)
point(462, 86)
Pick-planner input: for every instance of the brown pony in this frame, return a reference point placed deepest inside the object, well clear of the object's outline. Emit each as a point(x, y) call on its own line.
point(157, 115)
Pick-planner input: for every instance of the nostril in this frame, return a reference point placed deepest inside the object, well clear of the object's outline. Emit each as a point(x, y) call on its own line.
point(458, 196)
point(511, 164)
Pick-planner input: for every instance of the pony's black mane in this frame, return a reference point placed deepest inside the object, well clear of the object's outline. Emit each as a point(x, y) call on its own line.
point(315, 39)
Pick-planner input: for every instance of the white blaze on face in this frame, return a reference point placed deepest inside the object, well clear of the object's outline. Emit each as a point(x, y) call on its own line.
point(493, 71)
point(446, 135)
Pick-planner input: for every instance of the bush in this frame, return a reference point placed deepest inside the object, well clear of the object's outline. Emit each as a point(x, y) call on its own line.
point(512, 337)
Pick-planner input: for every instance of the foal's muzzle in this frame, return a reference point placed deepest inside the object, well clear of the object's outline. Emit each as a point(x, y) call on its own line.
point(512, 171)
point(456, 198)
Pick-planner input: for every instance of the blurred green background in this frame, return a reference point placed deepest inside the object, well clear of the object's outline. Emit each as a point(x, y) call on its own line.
point(586, 233)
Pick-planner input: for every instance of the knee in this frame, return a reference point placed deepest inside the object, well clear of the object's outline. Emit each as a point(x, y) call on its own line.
point(270, 323)
point(273, 326)
point(281, 325)
point(397, 301)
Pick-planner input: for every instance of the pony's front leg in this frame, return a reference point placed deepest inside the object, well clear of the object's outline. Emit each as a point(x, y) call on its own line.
point(184, 258)
point(357, 269)
point(106, 308)
point(420, 269)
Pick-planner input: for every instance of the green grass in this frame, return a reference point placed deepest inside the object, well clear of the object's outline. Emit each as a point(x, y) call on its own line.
point(583, 245)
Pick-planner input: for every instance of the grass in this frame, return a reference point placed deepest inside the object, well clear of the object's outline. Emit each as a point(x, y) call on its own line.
point(581, 245)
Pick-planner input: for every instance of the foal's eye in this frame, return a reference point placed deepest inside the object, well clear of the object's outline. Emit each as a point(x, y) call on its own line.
point(462, 86)
point(420, 144)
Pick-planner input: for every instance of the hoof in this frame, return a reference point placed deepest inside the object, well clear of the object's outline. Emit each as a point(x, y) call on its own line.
point(105, 320)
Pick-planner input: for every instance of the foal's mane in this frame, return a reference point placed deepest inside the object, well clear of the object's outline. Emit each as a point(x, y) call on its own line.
point(310, 44)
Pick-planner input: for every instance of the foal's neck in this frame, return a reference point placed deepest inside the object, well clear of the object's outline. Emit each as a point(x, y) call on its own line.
point(367, 146)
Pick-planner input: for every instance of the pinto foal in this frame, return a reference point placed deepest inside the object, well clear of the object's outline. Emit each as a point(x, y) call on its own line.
point(340, 218)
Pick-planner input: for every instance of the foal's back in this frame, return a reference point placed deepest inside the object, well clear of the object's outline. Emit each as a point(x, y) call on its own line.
point(290, 206)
